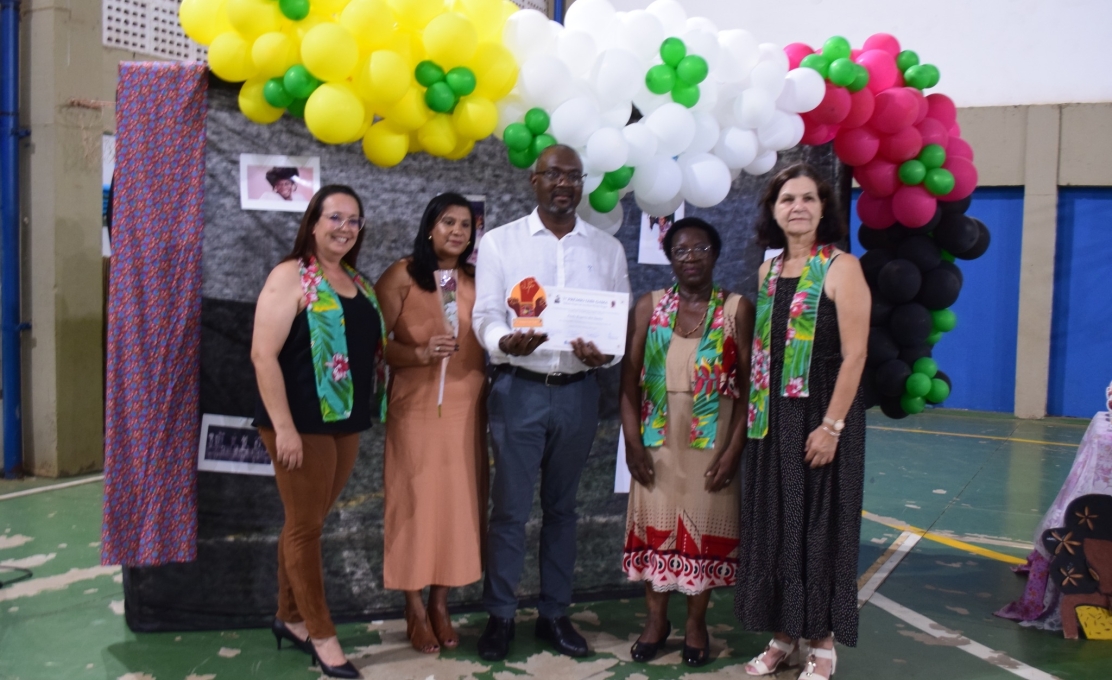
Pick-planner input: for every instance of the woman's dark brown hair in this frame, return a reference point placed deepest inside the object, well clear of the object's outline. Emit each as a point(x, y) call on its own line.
point(305, 245)
point(423, 262)
point(832, 225)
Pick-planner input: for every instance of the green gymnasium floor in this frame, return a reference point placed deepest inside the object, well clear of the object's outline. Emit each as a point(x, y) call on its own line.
point(977, 483)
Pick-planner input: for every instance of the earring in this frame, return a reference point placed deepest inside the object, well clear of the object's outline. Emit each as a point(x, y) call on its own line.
point(430, 237)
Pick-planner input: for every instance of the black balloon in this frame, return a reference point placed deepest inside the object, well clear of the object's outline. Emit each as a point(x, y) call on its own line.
point(891, 377)
point(873, 261)
point(944, 378)
point(953, 269)
point(910, 324)
point(956, 233)
point(915, 353)
point(979, 248)
point(929, 226)
point(870, 238)
point(892, 408)
point(881, 347)
point(940, 289)
point(922, 250)
point(869, 393)
point(880, 313)
point(899, 281)
point(955, 207)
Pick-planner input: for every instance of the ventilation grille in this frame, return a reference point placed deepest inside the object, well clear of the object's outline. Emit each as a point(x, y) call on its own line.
point(148, 27)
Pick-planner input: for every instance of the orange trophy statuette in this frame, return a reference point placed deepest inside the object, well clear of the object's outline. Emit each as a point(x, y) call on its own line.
point(527, 300)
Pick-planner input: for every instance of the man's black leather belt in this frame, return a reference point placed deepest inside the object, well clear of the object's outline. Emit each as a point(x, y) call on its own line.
point(547, 379)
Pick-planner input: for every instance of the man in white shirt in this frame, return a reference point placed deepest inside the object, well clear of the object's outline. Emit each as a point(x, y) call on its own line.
point(543, 404)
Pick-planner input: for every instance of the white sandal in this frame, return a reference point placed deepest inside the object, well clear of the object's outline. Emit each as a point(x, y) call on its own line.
point(819, 653)
point(790, 658)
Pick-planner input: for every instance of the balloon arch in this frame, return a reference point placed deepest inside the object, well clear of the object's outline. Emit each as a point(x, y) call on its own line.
point(436, 76)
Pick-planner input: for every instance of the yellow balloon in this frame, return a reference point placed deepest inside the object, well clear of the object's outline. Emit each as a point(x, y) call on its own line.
point(329, 6)
point(475, 117)
point(229, 57)
point(362, 132)
point(414, 143)
point(252, 18)
point(273, 53)
point(508, 8)
point(253, 104)
point(464, 147)
point(450, 40)
point(388, 76)
point(410, 112)
point(203, 20)
point(438, 136)
point(486, 15)
point(334, 114)
point(495, 71)
point(370, 21)
point(385, 145)
point(416, 14)
point(297, 30)
point(329, 52)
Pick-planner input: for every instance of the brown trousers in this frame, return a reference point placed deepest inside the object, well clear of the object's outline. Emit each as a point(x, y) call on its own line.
point(308, 493)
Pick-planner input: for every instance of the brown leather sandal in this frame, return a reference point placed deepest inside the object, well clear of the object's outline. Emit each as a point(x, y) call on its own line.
point(419, 632)
point(442, 627)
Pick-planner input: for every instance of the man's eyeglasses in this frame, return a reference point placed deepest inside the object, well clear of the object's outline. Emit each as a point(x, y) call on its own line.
point(696, 253)
point(338, 221)
point(572, 177)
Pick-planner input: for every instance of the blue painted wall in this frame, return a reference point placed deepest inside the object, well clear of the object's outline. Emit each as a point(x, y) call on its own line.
point(979, 354)
point(1081, 330)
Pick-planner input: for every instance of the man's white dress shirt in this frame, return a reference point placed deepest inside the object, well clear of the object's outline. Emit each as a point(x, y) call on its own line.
point(585, 258)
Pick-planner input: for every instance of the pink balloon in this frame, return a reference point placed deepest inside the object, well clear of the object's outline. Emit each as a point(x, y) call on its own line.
point(854, 53)
point(857, 146)
point(883, 41)
point(924, 107)
point(862, 105)
point(834, 106)
point(815, 134)
point(955, 130)
point(900, 82)
point(881, 67)
point(901, 146)
point(942, 109)
point(796, 52)
point(895, 110)
point(875, 212)
point(933, 132)
point(965, 177)
point(958, 148)
point(878, 177)
point(913, 206)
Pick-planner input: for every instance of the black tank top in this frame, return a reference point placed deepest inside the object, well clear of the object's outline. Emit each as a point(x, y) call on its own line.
point(363, 330)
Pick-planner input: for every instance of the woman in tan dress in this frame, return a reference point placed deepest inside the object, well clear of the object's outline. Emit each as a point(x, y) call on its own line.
point(435, 476)
point(683, 403)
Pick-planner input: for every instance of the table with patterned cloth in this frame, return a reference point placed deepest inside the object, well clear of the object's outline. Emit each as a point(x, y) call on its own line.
point(1091, 474)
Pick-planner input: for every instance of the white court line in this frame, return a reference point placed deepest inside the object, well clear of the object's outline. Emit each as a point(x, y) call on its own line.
point(52, 487)
point(935, 630)
point(905, 543)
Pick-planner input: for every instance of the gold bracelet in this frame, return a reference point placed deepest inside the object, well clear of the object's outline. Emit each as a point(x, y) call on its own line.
point(830, 432)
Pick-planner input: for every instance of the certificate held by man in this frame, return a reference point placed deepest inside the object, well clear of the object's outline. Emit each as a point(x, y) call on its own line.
point(567, 314)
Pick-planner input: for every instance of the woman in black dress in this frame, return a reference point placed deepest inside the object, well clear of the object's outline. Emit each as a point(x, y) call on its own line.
point(805, 459)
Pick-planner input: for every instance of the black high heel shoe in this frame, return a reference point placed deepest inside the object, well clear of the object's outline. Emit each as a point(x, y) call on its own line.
point(281, 630)
point(348, 670)
point(696, 656)
point(647, 651)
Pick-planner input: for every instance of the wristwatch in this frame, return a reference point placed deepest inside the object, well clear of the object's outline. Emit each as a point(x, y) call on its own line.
point(838, 425)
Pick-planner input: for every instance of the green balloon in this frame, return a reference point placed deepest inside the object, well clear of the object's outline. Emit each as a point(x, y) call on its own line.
point(603, 199)
point(912, 172)
point(912, 405)
point(939, 181)
point(294, 9)
point(860, 81)
point(522, 158)
point(817, 62)
point(672, 51)
point(542, 142)
point(299, 83)
point(687, 95)
point(939, 391)
point(917, 77)
point(428, 73)
point(297, 108)
point(842, 72)
point(692, 69)
point(660, 79)
point(934, 337)
point(933, 75)
point(462, 81)
point(440, 98)
point(517, 137)
point(835, 48)
point(948, 256)
point(932, 156)
point(906, 59)
point(925, 366)
point(536, 120)
point(274, 92)
point(917, 385)
point(618, 179)
point(943, 320)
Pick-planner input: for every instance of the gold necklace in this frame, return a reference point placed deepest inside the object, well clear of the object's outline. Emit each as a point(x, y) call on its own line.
point(695, 327)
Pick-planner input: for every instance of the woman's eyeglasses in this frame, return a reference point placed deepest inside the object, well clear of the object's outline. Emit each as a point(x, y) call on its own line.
point(338, 221)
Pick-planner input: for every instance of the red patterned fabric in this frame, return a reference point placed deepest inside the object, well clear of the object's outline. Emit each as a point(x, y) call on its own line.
point(154, 316)
point(690, 564)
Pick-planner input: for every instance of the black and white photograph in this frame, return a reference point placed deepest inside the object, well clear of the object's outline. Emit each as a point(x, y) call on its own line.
point(231, 444)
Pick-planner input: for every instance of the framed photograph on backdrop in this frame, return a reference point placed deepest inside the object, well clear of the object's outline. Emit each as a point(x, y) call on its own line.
point(650, 249)
point(277, 182)
point(231, 444)
point(478, 206)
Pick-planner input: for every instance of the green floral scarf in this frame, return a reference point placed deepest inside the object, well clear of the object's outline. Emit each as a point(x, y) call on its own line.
point(715, 371)
point(329, 342)
point(799, 341)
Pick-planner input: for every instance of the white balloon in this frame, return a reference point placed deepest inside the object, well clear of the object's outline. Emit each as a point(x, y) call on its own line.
point(647, 102)
point(592, 181)
point(736, 147)
point(753, 108)
point(618, 116)
point(804, 89)
point(641, 34)
point(762, 164)
point(769, 76)
point(774, 53)
point(777, 133)
point(702, 43)
point(528, 33)
point(657, 181)
point(616, 77)
point(642, 144)
point(724, 111)
point(706, 133)
point(674, 126)
point(607, 149)
point(739, 55)
point(659, 209)
point(609, 222)
point(701, 24)
point(577, 49)
point(586, 15)
point(546, 81)
point(797, 129)
point(706, 179)
point(708, 96)
point(510, 110)
point(672, 15)
point(735, 173)
point(573, 121)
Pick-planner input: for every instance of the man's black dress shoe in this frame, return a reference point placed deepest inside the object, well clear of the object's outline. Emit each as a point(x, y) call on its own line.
point(494, 643)
point(563, 636)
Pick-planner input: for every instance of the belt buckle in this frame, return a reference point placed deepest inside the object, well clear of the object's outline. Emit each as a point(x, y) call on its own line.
point(551, 375)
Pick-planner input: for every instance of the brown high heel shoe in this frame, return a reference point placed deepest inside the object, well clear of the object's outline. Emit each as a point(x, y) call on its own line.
point(442, 628)
point(419, 632)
